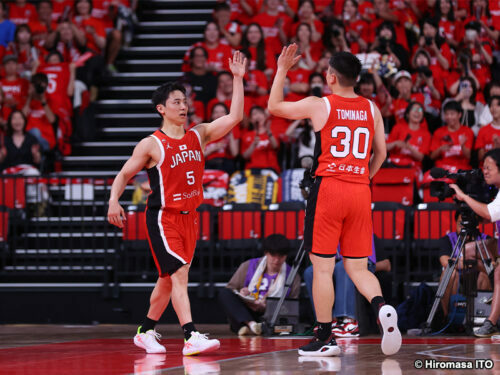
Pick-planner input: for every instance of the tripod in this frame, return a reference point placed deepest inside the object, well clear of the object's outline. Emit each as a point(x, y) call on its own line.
point(469, 230)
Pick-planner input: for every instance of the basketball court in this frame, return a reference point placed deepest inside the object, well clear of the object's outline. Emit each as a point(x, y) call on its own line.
point(108, 349)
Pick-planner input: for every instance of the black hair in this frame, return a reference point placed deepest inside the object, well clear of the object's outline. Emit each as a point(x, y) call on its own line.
point(223, 72)
point(495, 155)
point(488, 88)
point(387, 25)
point(221, 6)
point(206, 26)
point(346, 66)
point(453, 105)
point(308, 28)
point(218, 104)
point(366, 78)
point(54, 52)
point(305, 134)
point(39, 78)
point(79, 1)
point(161, 94)
point(191, 53)
point(261, 46)
point(451, 14)
point(408, 110)
point(9, 131)
point(316, 74)
point(23, 26)
point(276, 244)
point(434, 22)
point(495, 97)
point(473, 86)
point(471, 9)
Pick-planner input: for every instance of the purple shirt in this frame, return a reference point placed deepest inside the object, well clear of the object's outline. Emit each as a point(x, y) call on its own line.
point(266, 279)
point(453, 236)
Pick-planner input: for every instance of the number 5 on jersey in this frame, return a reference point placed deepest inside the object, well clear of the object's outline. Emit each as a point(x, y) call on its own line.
point(190, 177)
point(346, 142)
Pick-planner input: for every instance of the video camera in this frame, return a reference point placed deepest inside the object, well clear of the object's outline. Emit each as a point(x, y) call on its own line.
point(471, 182)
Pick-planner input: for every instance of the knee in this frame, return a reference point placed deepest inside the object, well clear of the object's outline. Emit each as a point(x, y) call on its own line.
point(181, 275)
point(116, 35)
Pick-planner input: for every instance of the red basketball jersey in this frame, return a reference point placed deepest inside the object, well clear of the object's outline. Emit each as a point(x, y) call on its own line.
point(176, 181)
point(343, 146)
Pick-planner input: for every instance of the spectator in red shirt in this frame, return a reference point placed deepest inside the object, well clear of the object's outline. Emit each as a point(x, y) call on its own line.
point(371, 87)
point(275, 24)
point(435, 45)
point(409, 141)
point(230, 30)
point(256, 85)
point(452, 143)
point(334, 38)
point(310, 55)
point(383, 13)
point(44, 27)
point(449, 28)
point(243, 10)
point(259, 146)
point(357, 30)
point(27, 54)
point(220, 154)
point(262, 57)
point(61, 10)
point(489, 135)
point(14, 88)
point(218, 53)
point(22, 12)
point(404, 84)
point(42, 122)
point(306, 14)
point(392, 54)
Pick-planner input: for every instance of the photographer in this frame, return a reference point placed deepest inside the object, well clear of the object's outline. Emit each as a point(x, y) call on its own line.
point(385, 43)
point(490, 212)
point(436, 46)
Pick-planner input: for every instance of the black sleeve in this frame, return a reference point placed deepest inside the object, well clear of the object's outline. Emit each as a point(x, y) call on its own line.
point(445, 247)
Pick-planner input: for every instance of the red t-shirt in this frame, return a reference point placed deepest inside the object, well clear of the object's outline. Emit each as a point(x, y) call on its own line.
point(97, 24)
point(399, 105)
point(485, 137)
point(20, 15)
point(218, 56)
point(58, 75)
point(258, 78)
point(238, 14)
point(37, 119)
point(263, 156)
point(38, 28)
point(454, 157)
point(15, 93)
point(247, 105)
point(420, 139)
point(100, 10)
point(271, 31)
point(270, 58)
point(58, 8)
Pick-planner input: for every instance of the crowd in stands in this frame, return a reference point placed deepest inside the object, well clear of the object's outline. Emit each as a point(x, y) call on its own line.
point(54, 55)
point(431, 66)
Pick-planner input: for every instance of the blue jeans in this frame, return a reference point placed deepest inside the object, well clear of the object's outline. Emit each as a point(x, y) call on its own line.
point(345, 291)
point(38, 135)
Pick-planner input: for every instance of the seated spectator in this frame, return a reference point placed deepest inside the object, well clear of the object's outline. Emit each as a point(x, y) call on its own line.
point(446, 253)
point(409, 141)
point(22, 12)
point(27, 53)
point(243, 11)
point(306, 14)
point(472, 109)
point(334, 38)
point(344, 314)
point(275, 24)
point(218, 53)
point(310, 54)
point(382, 13)
point(19, 146)
point(259, 146)
point(203, 82)
point(403, 84)
point(60, 91)
point(488, 137)
point(44, 27)
point(452, 143)
point(491, 89)
point(230, 31)
point(435, 45)
point(357, 30)
point(371, 86)
point(256, 85)
point(393, 56)
point(7, 27)
point(61, 10)
point(220, 154)
point(262, 56)
point(14, 88)
point(244, 298)
point(448, 27)
point(42, 122)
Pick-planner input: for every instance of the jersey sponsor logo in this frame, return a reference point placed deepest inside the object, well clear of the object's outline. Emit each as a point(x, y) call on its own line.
point(176, 197)
point(185, 156)
point(345, 168)
point(352, 114)
point(185, 195)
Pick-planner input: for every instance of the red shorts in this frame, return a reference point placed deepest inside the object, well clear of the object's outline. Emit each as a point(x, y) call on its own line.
point(172, 238)
point(339, 211)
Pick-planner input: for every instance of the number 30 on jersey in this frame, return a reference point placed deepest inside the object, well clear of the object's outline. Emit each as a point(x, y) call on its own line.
point(348, 137)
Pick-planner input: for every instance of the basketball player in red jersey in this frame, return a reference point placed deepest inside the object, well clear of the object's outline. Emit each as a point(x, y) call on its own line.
point(347, 127)
point(174, 161)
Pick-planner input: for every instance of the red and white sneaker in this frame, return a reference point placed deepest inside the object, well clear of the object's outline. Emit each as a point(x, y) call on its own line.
point(348, 328)
point(198, 344)
point(336, 326)
point(149, 341)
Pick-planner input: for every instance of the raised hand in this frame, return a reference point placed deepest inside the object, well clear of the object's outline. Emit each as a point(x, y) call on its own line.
point(238, 64)
point(287, 58)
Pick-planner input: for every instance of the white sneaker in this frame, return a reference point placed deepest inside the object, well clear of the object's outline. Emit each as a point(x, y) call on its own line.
point(149, 341)
point(244, 331)
point(391, 337)
point(199, 343)
point(256, 328)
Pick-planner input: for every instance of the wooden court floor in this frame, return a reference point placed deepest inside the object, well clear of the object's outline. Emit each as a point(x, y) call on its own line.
point(108, 349)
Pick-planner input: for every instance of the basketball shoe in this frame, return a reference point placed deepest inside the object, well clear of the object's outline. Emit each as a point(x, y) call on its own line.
point(319, 348)
point(199, 343)
point(348, 328)
point(149, 341)
point(391, 337)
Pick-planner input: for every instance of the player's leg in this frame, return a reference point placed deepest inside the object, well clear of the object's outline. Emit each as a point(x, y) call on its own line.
point(356, 243)
point(322, 227)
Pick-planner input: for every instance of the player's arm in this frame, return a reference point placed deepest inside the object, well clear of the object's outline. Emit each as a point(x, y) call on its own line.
point(311, 107)
point(223, 125)
point(379, 146)
point(139, 159)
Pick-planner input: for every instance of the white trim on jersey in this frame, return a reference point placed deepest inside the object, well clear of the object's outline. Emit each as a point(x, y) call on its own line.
point(198, 135)
point(328, 106)
point(373, 109)
point(164, 239)
point(162, 151)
